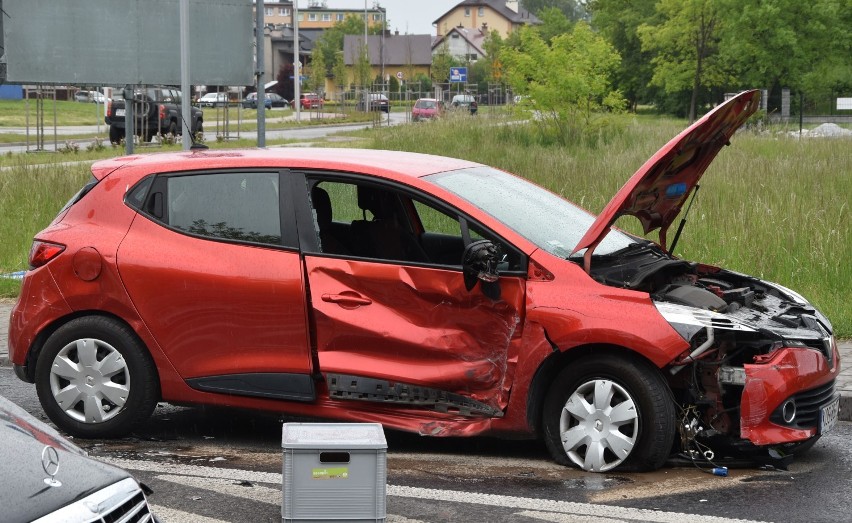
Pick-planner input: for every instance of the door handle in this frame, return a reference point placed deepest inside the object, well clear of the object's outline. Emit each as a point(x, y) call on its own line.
point(347, 300)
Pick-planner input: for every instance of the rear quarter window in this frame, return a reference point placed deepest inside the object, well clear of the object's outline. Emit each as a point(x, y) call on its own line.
point(79, 195)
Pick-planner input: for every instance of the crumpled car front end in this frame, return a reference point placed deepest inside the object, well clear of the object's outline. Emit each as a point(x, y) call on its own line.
point(761, 366)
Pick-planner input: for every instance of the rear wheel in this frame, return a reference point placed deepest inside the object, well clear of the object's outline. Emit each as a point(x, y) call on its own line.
point(95, 378)
point(115, 134)
point(608, 412)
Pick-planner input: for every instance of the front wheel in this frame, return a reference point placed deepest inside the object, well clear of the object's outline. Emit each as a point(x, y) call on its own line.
point(95, 379)
point(608, 412)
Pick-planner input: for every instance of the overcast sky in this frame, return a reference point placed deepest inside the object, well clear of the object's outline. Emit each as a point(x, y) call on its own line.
point(413, 16)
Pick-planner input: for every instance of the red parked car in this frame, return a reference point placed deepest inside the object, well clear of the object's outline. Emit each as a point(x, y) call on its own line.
point(433, 295)
point(309, 101)
point(426, 109)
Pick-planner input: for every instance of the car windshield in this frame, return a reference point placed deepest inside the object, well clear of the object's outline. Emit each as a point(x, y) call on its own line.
point(550, 222)
point(425, 104)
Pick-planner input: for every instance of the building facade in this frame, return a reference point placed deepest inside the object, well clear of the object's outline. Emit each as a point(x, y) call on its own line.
point(503, 16)
point(317, 15)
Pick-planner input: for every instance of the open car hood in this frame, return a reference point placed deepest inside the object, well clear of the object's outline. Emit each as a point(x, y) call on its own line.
point(656, 193)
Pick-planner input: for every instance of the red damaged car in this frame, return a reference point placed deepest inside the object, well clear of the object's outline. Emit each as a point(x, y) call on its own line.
point(429, 294)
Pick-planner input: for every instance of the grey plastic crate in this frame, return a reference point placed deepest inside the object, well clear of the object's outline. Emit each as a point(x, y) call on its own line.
point(334, 472)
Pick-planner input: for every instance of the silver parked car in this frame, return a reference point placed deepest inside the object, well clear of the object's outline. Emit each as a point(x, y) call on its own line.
point(48, 479)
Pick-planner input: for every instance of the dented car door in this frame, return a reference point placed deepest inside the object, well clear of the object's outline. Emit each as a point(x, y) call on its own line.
point(396, 324)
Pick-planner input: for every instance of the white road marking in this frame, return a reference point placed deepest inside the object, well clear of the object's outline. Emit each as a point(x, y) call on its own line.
point(562, 507)
point(179, 473)
point(565, 518)
point(170, 515)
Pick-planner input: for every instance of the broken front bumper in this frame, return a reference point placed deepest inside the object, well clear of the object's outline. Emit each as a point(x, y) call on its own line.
point(789, 397)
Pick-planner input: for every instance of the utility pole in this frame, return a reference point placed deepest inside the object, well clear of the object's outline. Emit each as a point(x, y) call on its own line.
point(297, 62)
point(186, 96)
point(259, 58)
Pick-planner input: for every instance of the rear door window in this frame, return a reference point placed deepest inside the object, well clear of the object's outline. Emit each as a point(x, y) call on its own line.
point(229, 206)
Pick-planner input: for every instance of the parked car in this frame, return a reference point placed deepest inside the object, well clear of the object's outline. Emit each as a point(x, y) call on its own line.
point(309, 101)
point(89, 96)
point(213, 100)
point(157, 110)
point(465, 101)
point(270, 100)
point(434, 295)
point(378, 102)
point(47, 476)
point(426, 109)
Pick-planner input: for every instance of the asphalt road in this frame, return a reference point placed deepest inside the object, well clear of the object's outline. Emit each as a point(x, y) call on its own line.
point(214, 465)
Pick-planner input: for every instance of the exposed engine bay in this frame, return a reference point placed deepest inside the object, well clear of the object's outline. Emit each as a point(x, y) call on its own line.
point(731, 320)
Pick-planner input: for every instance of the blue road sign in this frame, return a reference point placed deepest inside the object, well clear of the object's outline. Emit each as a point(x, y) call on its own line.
point(458, 74)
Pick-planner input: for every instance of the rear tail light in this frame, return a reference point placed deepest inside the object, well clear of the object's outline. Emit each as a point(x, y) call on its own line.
point(109, 107)
point(162, 112)
point(42, 252)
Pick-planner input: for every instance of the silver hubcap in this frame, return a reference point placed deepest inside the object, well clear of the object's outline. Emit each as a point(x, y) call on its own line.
point(90, 380)
point(599, 425)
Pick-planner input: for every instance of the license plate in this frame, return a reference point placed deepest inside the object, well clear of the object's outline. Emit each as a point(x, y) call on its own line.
point(119, 112)
point(828, 416)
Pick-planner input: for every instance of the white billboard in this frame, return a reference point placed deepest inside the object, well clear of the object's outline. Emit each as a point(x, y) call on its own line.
point(118, 42)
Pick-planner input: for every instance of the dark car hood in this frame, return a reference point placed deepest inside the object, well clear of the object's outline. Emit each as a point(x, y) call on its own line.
point(656, 193)
point(24, 496)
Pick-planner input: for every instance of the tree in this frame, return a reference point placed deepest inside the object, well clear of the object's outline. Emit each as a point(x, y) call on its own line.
point(331, 40)
point(569, 80)
point(553, 23)
point(788, 43)
point(341, 74)
point(285, 87)
point(362, 66)
point(316, 80)
point(685, 44)
point(574, 10)
point(618, 21)
point(442, 61)
point(493, 46)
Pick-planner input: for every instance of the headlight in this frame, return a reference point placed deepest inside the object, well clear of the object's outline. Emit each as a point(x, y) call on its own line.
point(687, 321)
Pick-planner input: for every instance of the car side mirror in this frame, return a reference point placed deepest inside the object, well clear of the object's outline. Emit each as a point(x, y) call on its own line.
point(479, 263)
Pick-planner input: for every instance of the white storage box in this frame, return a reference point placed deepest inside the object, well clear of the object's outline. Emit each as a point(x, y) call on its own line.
point(334, 472)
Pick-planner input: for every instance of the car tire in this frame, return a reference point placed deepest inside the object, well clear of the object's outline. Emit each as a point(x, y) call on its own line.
point(115, 134)
point(115, 391)
point(608, 412)
point(173, 129)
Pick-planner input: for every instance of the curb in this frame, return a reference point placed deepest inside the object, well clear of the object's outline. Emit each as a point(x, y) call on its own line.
point(845, 408)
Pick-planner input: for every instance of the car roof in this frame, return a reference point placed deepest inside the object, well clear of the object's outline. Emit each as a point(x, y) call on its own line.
point(388, 164)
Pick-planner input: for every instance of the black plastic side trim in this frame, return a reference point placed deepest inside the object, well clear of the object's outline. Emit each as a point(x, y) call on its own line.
point(347, 387)
point(282, 386)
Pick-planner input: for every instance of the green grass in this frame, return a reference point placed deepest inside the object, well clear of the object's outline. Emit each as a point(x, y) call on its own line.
point(771, 206)
point(30, 196)
point(13, 113)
